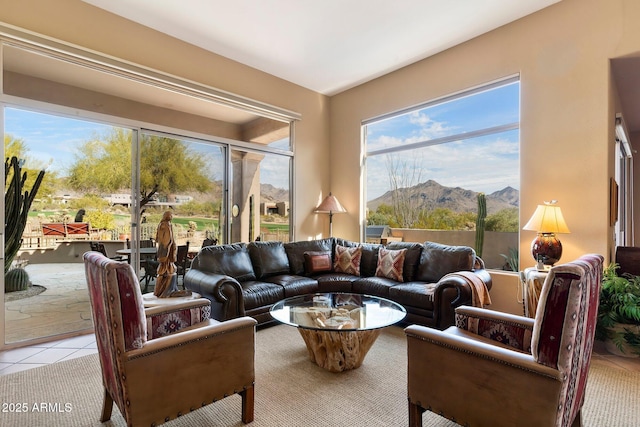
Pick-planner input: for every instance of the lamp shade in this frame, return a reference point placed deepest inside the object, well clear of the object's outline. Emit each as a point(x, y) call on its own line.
point(331, 205)
point(547, 220)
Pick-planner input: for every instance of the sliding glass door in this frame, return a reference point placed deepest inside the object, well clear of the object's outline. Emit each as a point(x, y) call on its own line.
point(186, 176)
point(120, 144)
point(85, 164)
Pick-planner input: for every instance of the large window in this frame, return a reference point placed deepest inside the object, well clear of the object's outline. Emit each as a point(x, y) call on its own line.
point(431, 168)
point(119, 146)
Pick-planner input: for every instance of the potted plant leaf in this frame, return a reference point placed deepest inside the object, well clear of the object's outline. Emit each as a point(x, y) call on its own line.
point(619, 312)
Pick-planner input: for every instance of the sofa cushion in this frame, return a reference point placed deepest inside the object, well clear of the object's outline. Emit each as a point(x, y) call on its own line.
point(232, 260)
point(347, 260)
point(411, 259)
point(295, 252)
point(259, 294)
point(316, 262)
point(295, 285)
point(438, 260)
point(376, 286)
point(369, 260)
point(335, 282)
point(391, 264)
point(268, 259)
point(414, 294)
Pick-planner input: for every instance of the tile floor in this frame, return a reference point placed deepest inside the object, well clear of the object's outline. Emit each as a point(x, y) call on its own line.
point(36, 355)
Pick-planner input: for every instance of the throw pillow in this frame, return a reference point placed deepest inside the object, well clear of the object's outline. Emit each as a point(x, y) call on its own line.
point(391, 264)
point(348, 260)
point(317, 262)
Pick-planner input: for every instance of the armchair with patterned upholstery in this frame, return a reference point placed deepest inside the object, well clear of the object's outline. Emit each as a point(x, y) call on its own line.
point(499, 369)
point(152, 359)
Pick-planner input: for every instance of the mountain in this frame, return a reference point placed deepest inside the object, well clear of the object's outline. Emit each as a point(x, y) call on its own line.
point(431, 195)
point(269, 193)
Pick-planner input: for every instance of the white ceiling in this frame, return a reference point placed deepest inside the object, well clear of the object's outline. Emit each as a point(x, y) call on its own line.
point(324, 45)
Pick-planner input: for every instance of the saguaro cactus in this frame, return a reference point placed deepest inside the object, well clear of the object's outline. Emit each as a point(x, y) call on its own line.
point(482, 215)
point(16, 207)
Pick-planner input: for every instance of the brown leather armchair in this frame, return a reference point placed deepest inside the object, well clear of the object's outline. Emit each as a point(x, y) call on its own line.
point(153, 380)
point(499, 369)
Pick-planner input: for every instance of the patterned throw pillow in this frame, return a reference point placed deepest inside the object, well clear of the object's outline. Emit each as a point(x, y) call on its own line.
point(391, 264)
point(348, 260)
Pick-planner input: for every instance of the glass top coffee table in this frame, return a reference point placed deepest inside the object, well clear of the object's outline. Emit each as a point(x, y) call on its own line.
point(338, 328)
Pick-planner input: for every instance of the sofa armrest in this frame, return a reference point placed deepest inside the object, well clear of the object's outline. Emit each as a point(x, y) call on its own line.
point(224, 292)
point(454, 290)
point(509, 329)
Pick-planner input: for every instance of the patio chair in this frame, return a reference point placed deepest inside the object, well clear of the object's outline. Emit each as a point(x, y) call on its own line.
point(209, 242)
point(500, 369)
point(99, 247)
point(153, 379)
point(182, 261)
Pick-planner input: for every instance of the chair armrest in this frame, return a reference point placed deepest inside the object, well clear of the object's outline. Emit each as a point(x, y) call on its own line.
point(168, 319)
point(498, 354)
point(224, 292)
point(209, 329)
point(492, 315)
point(509, 329)
point(219, 358)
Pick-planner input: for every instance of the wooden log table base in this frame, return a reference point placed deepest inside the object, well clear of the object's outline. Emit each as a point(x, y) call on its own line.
point(338, 351)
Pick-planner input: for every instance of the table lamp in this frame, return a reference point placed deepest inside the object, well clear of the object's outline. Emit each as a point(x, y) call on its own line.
point(547, 221)
point(330, 205)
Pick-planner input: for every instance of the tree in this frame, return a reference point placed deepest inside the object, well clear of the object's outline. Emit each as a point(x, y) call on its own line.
point(103, 165)
point(505, 220)
point(402, 177)
point(168, 164)
point(382, 216)
point(16, 147)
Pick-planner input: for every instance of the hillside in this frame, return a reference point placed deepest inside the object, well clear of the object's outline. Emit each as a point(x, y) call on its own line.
point(430, 195)
point(269, 193)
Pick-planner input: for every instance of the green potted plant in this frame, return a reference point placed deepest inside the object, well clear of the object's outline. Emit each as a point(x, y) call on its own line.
point(619, 312)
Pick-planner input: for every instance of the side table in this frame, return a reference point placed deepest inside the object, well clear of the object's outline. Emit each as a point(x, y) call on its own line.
point(532, 281)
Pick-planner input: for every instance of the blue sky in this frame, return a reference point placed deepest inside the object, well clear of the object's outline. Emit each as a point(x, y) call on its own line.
point(484, 164)
point(53, 141)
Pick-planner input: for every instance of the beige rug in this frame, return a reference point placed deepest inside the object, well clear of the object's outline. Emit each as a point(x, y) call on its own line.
point(290, 391)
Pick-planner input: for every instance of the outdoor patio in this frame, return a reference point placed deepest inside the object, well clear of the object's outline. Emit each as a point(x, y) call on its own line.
point(62, 308)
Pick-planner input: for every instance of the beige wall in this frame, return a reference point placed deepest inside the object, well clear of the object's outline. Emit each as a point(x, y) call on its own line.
point(567, 115)
point(75, 22)
point(562, 54)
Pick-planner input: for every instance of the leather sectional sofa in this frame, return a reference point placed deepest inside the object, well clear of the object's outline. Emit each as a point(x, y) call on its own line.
point(430, 280)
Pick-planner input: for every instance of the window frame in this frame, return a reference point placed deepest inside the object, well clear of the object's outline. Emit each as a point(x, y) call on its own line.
point(462, 136)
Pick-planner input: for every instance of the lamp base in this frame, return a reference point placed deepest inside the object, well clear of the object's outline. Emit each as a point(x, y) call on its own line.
point(547, 247)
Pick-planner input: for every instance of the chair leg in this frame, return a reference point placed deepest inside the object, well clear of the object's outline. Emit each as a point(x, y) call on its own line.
point(247, 404)
point(415, 415)
point(107, 406)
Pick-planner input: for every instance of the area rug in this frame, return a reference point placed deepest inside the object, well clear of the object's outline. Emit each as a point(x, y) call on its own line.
point(290, 391)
